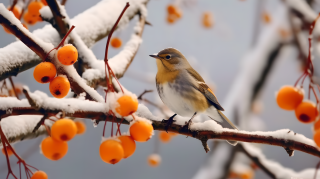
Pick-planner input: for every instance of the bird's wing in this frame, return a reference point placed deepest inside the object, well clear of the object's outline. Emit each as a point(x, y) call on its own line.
point(204, 89)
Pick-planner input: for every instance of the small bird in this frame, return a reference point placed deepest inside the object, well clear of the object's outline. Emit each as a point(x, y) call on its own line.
point(184, 91)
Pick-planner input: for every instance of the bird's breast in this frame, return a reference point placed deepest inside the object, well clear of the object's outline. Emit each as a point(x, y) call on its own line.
point(181, 98)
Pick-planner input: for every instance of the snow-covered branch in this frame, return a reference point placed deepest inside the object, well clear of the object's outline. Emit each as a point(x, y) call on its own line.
point(92, 25)
point(78, 85)
point(275, 169)
point(94, 110)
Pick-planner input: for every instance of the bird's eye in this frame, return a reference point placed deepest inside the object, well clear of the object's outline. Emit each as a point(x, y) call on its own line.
point(168, 57)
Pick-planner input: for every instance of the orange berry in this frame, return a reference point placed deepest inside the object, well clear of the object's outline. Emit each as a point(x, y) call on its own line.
point(44, 2)
point(289, 97)
point(52, 149)
point(9, 150)
point(59, 87)
point(164, 137)
point(207, 19)
point(141, 130)
point(306, 112)
point(111, 151)
point(154, 160)
point(171, 9)
point(44, 72)
point(116, 42)
point(171, 18)
point(128, 144)
point(39, 175)
point(247, 175)
point(63, 130)
point(34, 8)
point(30, 19)
point(68, 54)
point(174, 10)
point(266, 18)
point(81, 127)
point(127, 105)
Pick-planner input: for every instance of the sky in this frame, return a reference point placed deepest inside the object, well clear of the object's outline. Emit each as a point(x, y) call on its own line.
point(215, 53)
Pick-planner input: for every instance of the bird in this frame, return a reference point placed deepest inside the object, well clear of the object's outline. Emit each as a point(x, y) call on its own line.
point(183, 90)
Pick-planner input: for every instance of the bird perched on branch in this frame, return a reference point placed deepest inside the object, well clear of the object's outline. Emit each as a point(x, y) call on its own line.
point(184, 91)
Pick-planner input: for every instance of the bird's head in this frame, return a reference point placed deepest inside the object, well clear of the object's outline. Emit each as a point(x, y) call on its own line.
point(171, 59)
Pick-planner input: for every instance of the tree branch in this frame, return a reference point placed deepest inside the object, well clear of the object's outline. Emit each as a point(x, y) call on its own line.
point(17, 57)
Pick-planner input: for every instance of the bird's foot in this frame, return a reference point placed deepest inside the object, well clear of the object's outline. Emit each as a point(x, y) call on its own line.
point(168, 122)
point(187, 125)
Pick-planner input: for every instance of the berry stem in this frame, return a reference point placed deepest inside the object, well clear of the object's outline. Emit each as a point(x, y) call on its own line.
point(315, 94)
point(317, 168)
point(2, 136)
point(13, 87)
point(108, 80)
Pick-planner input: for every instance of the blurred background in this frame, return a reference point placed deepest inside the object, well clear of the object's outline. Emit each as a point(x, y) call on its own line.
point(216, 53)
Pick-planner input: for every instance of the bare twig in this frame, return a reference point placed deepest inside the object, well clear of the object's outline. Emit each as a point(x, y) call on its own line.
point(256, 161)
point(143, 93)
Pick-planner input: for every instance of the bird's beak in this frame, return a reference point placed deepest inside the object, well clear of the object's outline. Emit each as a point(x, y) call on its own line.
point(154, 56)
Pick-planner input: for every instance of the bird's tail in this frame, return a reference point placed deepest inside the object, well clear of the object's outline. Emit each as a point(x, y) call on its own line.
point(218, 116)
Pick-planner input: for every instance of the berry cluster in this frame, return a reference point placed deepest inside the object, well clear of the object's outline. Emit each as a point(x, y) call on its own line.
point(46, 72)
point(55, 146)
point(174, 13)
point(31, 16)
point(291, 97)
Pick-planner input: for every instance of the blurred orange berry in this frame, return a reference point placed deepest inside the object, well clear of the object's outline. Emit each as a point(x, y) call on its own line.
point(34, 8)
point(111, 151)
point(39, 175)
point(154, 160)
point(9, 150)
point(207, 19)
point(81, 127)
point(164, 137)
point(289, 97)
point(266, 18)
point(30, 19)
point(116, 42)
point(306, 112)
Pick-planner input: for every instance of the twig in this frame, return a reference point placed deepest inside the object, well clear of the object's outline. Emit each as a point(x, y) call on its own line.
point(143, 93)
point(263, 138)
point(63, 2)
point(13, 87)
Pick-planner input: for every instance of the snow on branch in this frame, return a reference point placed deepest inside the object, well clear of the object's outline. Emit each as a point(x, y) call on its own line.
point(94, 110)
point(275, 169)
point(92, 25)
point(78, 85)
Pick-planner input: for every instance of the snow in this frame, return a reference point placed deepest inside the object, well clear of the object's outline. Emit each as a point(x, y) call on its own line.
point(276, 168)
point(17, 128)
point(91, 26)
point(45, 12)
